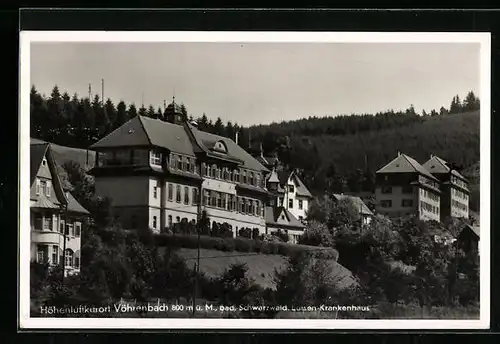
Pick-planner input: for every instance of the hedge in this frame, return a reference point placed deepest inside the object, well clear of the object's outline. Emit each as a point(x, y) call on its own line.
point(240, 244)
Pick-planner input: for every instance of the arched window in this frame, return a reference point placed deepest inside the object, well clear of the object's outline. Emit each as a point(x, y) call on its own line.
point(220, 146)
point(68, 257)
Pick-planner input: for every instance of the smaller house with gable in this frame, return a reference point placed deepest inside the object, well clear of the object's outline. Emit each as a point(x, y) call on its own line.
point(365, 213)
point(56, 217)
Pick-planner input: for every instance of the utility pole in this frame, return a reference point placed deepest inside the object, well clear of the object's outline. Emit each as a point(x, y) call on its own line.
point(90, 92)
point(199, 227)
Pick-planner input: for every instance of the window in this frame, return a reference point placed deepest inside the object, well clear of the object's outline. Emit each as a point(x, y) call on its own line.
point(300, 204)
point(43, 185)
point(44, 162)
point(188, 164)
point(257, 208)
point(208, 171)
point(77, 262)
point(170, 192)
point(42, 254)
point(177, 219)
point(407, 203)
point(282, 217)
point(219, 200)
point(37, 186)
point(280, 202)
point(407, 189)
point(47, 223)
point(78, 229)
point(251, 180)
point(195, 196)
point(213, 198)
point(186, 195)
point(236, 176)
point(178, 194)
point(154, 222)
point(244, 177)
point(55, 254)
point(48, 190)
point(179, 162)
point(386, 189)
point(206, 197)
point(155, 191)
point(61, 226)
point(155, 158)
point(291, 188)
point(68, 257)
point(38, 221)
point(69, 229)
point(257, 179)
point(192, 165)
point(290, 203)
point(226, 173)
point(386, 203)
point(170, 221)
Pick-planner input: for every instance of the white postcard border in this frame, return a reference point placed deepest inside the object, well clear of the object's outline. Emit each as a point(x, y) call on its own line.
point(27, 37)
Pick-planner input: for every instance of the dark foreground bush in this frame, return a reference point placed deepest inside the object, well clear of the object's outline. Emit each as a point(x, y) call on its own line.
point(241, 244)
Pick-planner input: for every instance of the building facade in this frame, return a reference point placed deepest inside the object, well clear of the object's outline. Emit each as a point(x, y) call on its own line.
point(404, 187)
point(56, 217)
point(159, 173)
point(454, 188)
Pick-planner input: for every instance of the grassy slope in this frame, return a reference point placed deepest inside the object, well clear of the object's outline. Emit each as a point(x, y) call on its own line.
point(261, 267)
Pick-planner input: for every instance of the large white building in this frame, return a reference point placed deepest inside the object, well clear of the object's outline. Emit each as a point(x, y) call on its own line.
point(159, 173)
point(56, 217)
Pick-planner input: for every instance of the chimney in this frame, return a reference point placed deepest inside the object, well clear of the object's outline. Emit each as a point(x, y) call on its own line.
point(236, 140)
point(261, 150)
point(399, 153)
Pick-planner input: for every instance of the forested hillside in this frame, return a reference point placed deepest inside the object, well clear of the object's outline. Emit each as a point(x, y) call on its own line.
point(336, 154)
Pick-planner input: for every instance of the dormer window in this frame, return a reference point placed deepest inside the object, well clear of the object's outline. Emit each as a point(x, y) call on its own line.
point(220, 147)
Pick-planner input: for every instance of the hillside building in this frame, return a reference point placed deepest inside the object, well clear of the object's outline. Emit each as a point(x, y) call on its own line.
point(454, 188)
point(56, 217)
point(366, 215)
point(404, 187)
point(159, 173)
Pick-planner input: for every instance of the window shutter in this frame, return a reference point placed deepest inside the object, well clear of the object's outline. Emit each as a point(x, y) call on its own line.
point(49, 186)
point(37, 186)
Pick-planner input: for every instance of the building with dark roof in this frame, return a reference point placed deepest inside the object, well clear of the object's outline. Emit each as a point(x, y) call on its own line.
point(159, 173)
point(405, 187)
point(454, 188)
point(365, 213)
point(56, 217)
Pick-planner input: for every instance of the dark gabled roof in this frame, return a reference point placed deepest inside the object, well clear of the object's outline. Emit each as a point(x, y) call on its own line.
point(207, 140)
point(272, 214)
point(37, 152)
point(474, 229)
point(437, 165)
point(302, 190)
point(74, 206)
point(357, 202)
point(405, 164)
point(145, 131)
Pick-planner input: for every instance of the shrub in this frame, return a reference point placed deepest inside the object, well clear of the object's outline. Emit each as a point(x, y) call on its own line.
point(245, 232)
point(243, 245)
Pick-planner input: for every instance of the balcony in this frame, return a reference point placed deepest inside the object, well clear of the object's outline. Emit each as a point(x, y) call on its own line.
point(45, 237)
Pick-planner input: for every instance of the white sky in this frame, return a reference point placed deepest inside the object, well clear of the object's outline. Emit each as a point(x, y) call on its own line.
point(253, 83)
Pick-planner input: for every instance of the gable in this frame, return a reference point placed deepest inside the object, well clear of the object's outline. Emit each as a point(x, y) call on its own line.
point(282, 218)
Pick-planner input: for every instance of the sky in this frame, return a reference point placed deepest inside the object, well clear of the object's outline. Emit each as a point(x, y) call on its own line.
point(260, 83)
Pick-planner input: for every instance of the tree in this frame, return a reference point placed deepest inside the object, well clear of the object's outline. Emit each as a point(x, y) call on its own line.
point(471, 102)
point(132, 111)
point(184, 112)
point(111, 113)
point(121, 115)
point(343, 214)
point(316, 234)
point(203, 123)
point(230, 130)
point(151, 112)
point(219, 127)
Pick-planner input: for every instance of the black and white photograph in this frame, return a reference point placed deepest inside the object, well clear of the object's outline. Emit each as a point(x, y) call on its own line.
point(254, 180)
